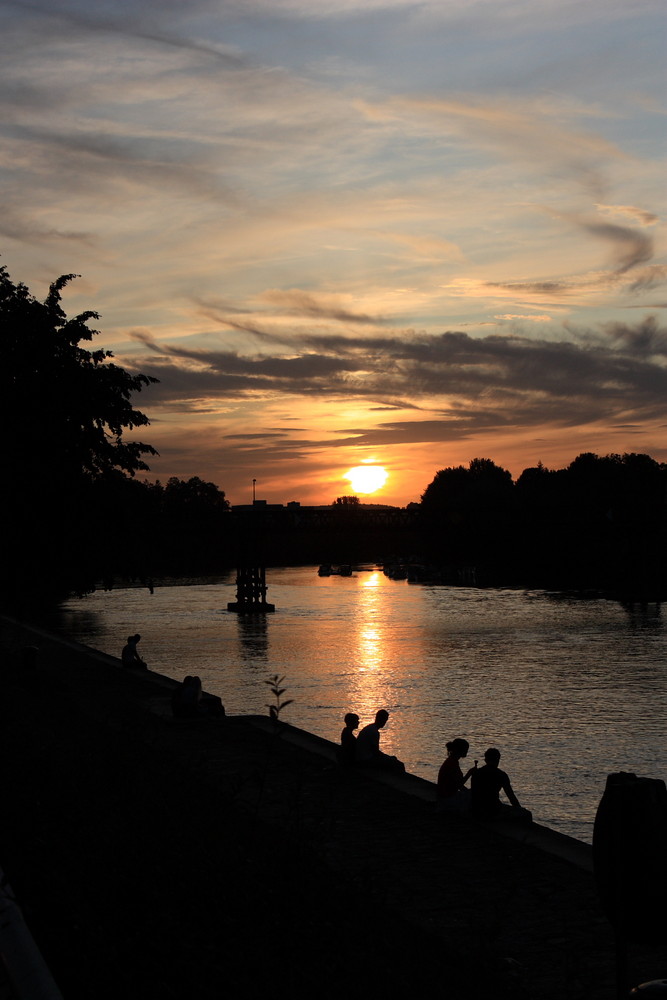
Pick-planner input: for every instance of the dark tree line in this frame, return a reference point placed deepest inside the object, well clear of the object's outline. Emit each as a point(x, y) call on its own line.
point(599, 523)
point(179, 529)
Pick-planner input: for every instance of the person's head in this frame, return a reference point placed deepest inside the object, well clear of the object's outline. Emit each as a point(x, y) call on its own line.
point(381, 718)
point(492, 757)
point(458, 748)
point(352, 720)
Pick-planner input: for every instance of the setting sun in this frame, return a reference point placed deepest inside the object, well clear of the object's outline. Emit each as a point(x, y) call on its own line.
point(366, 478)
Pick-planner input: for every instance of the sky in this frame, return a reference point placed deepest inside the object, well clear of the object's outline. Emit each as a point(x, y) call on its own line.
point(389, 232)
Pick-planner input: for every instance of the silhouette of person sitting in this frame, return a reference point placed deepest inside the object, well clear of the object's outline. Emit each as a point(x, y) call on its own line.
point(185, 699)
point(487, 783)
point(451, 793)
point(189, 701)
point(130, 657)
point(368, 745)
point(347, 752)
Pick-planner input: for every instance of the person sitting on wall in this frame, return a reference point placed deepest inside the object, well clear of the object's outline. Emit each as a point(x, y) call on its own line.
point(368, 746)
point(486, 785)
point(451, 793)
point(189, 701)
point(347, 752)
point(185, 701)
point(130, 657)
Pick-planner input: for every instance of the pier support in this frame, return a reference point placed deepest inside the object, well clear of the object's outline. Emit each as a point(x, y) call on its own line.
point(250, 592)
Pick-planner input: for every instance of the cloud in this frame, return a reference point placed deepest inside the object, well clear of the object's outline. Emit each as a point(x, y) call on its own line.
point(137, 21)
point(632, 247)
point(644, 340)
point(648, 278)
point(293, 302)
point(518, 129)
point(525, 318)
point(15, 224)
point(615, 372)
point(638, 215)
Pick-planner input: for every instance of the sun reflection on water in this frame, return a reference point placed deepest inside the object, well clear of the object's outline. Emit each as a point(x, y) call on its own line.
point(369, 632)
point(370, 649)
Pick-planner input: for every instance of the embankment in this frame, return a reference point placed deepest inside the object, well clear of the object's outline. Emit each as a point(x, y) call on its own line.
point(155, 858)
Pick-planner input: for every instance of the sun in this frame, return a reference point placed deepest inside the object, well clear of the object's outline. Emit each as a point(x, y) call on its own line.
point(366, 478)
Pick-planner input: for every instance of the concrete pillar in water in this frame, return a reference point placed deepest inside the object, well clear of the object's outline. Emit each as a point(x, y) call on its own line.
point(251, 591)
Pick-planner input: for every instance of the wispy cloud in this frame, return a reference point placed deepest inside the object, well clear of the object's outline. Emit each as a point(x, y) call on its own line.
point(631, 246)
point(293, 302)
point(612, 372)
point(637, 215)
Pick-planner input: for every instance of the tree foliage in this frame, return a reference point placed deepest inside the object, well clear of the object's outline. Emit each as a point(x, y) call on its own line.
point(73, 406)
point(482, 484)
point(65, 413)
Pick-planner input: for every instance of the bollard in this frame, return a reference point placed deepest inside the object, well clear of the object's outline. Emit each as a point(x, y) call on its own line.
point(629, 857)
point(630, 863)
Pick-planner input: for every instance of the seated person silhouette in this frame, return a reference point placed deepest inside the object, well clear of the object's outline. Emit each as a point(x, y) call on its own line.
point(368, 746)
point(487, 783)
point(130, 657)
point(347, 752)
point(451, 793)
point(189, 702)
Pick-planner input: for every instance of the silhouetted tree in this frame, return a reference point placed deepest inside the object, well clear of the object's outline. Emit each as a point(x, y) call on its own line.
point(615, 508)
point(467, 517)
point(600, 523)
point(64, 411)
point(346, 502)
point(194, 498)
point(194, 526)
point(180, 529)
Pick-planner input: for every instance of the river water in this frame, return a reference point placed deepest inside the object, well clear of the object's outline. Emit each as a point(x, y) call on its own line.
point(568, 690)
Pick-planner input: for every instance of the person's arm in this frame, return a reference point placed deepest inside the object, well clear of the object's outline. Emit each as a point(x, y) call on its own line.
point(469, 773)
point(509, 792)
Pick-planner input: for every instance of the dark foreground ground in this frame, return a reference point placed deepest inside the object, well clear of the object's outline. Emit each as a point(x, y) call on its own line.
point(163, 859)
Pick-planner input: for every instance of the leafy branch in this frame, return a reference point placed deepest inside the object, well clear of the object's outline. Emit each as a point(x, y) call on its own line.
point(276, 707)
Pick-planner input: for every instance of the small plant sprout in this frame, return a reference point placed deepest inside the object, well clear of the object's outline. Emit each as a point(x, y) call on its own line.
point(276, 707)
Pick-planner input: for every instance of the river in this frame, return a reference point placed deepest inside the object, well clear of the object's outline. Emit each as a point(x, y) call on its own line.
point(568, 690)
